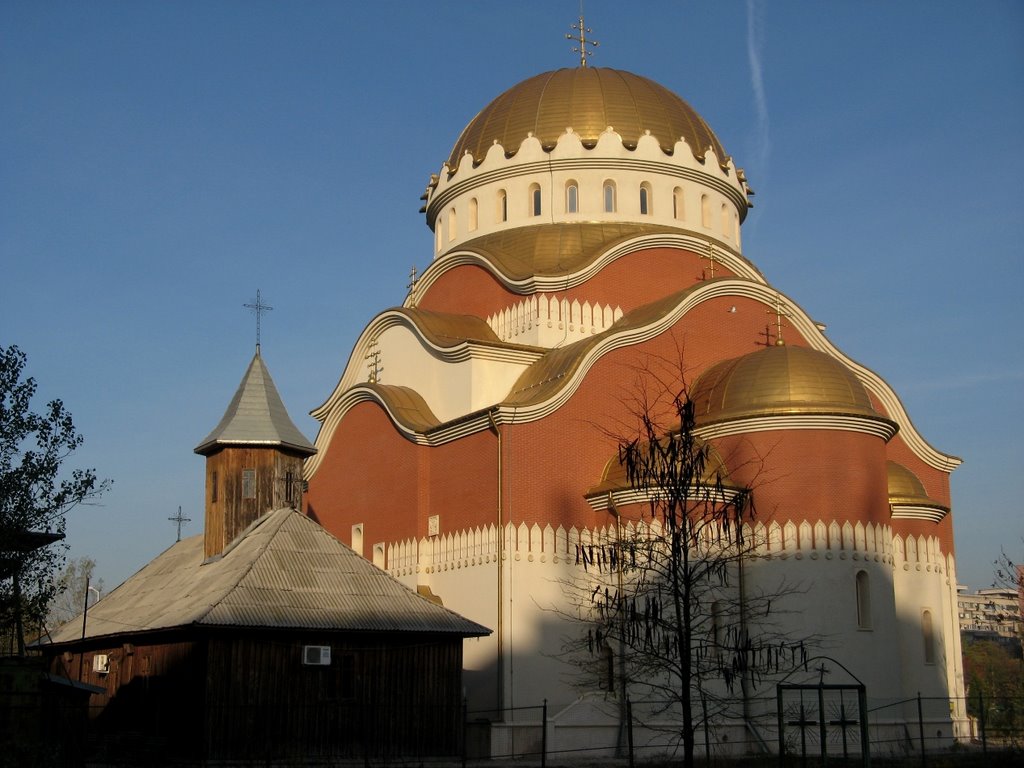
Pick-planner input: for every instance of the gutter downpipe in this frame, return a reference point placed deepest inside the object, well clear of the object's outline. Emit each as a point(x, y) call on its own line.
point(620, 746)
point(500, 689)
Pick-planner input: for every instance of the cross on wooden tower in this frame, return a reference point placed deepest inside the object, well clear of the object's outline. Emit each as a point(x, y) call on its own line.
point(179, 519)
point(779, 313)
point(258, 307)
point(580, 37)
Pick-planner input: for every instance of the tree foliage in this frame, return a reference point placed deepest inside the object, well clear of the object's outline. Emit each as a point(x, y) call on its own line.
point(666, 591)
point(35, 492)
point(995, 681)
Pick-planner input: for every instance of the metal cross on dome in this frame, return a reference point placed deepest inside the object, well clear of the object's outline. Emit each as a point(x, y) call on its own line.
point(580, 36)
point(780, 312)
point(259, 308)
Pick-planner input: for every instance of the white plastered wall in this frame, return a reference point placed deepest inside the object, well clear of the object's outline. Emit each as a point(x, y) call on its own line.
point(451, 388)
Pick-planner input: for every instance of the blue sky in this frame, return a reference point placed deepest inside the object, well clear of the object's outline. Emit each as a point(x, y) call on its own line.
point(160, 162)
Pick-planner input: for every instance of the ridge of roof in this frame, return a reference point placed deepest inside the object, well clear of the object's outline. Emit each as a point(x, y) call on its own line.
point(256, 415)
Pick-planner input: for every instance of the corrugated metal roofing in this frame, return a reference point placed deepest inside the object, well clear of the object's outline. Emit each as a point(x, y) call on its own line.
point(256, 416)
point(285, 572)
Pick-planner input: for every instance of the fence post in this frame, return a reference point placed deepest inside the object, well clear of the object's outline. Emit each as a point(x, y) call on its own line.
point(981, 723)
point(465, 725)
point(629, 729)
point(920, 729)
point(707, 733)
point(544, 736)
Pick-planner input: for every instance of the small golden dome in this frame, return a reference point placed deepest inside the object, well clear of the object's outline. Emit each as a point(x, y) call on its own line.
point(908, 498)
point(779, 380)
point(614, 476)
point(905, 487)
point(588, 100)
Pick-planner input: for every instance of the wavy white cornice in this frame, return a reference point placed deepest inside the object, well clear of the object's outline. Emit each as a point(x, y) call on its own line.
point(512, 412)
point(799, 319)
point(551, 283)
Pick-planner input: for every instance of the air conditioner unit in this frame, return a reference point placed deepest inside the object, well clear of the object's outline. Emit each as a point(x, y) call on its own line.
point(101, 663)
point(316, 655)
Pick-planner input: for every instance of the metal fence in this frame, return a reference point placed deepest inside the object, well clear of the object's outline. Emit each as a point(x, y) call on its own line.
point(916, 731)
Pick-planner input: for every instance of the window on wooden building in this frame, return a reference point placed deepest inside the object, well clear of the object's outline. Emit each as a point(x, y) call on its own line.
point(213, 486)
point(248, 483)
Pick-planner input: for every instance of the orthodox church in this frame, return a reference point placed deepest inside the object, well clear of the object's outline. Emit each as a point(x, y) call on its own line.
point(586, 223)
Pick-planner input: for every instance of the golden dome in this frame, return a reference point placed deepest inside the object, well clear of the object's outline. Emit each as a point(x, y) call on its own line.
point(588, 100)
point(614, 476)
point(905, 487)
point(779, 380)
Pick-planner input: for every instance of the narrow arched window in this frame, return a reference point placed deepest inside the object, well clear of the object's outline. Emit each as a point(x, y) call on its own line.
point(451, 225)
point(725, 220)
point(863, 600)
point(437, 235)
point(609, 197)
point(572, 197)
point(705, 212)
point(535, 200)
point(678, 204)
point(357, 538)
point(473, 223)
point(645, 199)
point(502, 205)
point(928, 633)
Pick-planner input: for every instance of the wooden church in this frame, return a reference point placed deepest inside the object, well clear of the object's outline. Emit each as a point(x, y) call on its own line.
point(267, 638)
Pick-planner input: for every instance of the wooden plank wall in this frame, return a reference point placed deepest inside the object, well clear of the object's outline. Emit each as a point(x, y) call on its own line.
point(405, 697)
point(231, 514)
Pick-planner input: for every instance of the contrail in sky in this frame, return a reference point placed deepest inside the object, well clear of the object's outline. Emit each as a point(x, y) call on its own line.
point(761, 140)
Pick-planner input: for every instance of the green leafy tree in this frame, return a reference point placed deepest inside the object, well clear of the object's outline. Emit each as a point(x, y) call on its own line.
point(35, 495)
point(995, 681)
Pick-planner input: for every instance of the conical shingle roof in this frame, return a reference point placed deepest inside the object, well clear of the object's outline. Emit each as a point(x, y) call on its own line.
point(256, 416)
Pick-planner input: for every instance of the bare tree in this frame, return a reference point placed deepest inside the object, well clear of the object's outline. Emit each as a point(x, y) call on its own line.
point(72, 584)
point(668, 587)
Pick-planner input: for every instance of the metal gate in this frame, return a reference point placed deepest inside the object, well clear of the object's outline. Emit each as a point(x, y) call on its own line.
point(823, 719)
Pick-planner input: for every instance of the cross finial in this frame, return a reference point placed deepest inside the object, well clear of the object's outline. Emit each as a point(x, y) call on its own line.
point(179, 519)
point(413, 279)
point(710, 256)
point(259, 308)
point(373, 366)
point(580, 37)
point(779, 313)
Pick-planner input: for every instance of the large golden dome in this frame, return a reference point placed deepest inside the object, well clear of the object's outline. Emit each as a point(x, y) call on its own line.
point(779, 380)
point(588, 100)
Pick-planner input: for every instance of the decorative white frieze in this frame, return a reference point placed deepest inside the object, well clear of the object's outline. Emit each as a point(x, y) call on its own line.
point(544, 320)
point(547, 544)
